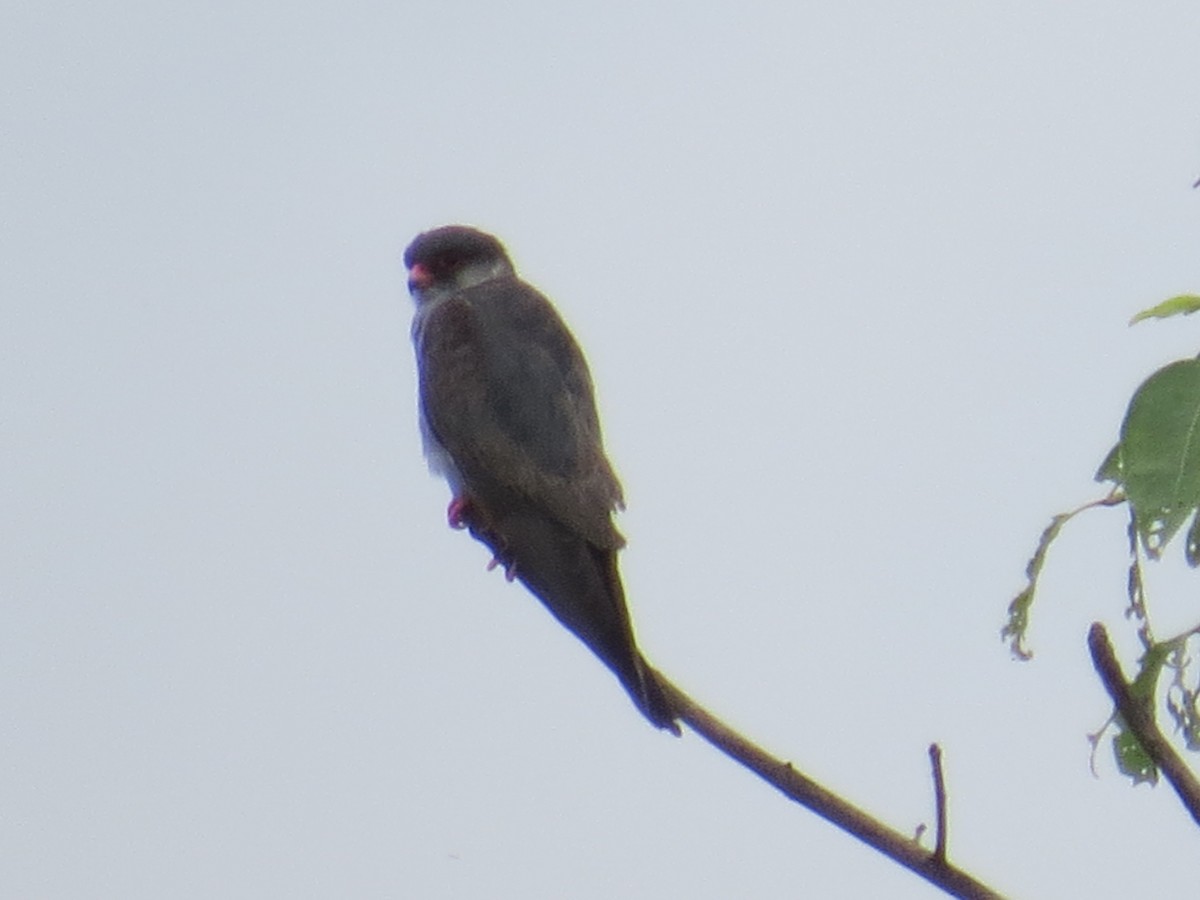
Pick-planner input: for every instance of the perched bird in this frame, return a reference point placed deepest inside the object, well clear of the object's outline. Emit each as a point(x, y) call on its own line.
point(508, 417)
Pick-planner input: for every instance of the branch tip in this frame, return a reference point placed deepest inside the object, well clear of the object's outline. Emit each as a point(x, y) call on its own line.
point(939, 799)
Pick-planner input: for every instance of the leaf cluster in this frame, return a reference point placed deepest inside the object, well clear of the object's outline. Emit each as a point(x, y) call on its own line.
point(1154, 470)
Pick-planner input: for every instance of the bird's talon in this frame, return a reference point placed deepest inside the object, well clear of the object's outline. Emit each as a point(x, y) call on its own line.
point(457, 513)
point(510, 569)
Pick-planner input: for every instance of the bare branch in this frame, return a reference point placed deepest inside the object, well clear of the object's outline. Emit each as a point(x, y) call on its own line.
point(1139, 718)
point(939, 797)
point(904, 850)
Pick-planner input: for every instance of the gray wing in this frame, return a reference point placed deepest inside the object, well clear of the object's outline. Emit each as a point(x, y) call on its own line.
point(506, 393)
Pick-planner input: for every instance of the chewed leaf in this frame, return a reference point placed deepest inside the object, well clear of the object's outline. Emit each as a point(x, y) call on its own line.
point(1191, 550)
point(1015, 629)
point(1183, 305)
point(1132, 758)
point(1160, 452)
point(1018, 610)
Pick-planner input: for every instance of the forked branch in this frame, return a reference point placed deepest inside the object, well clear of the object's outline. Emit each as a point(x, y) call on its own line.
point(933, 867)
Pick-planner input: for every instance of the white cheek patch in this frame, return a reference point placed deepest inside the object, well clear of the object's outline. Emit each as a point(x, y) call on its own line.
point(478, 273)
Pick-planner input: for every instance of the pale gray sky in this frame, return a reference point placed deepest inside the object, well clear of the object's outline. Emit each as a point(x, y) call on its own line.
point(853, 281)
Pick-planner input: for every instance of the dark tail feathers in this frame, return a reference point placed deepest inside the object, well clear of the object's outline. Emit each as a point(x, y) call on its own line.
point(651, 698)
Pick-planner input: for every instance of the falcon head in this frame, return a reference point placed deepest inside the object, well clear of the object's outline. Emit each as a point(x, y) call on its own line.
point(453, 258)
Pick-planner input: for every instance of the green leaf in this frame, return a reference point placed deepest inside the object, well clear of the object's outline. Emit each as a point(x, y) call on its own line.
point(1183, 709)
point(1132, 758)
point(1183, 305)
point(1017, 625)
point(1018, 622)
point(1183, 695)
point(1149, 668)
point(1018, 610)
point(1136, 590)
point(1183, 698)
point(1192, 549)
point(1110, 469)
point(1160, 452)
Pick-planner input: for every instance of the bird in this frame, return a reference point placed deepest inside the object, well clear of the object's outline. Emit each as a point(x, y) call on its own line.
point(507, 414)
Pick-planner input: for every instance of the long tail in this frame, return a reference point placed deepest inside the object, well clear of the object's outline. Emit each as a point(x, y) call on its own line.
point(651, 699)
point(579, 583)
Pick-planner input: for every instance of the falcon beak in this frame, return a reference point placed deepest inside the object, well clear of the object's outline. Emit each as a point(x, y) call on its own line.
point(419, 278)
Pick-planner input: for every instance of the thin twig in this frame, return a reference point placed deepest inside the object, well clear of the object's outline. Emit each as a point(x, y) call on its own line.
point(1139, 718)
point(939, 799)
point(825, 803)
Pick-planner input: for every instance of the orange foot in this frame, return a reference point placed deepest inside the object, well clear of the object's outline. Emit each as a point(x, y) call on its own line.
point(510, 568)
point(458, 513)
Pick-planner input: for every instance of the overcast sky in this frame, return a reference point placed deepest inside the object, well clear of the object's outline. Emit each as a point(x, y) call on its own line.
point(853, 280)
